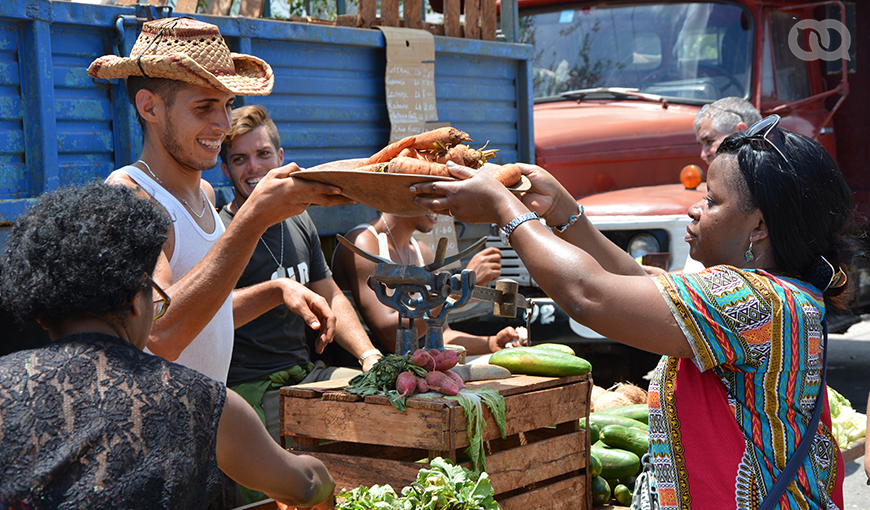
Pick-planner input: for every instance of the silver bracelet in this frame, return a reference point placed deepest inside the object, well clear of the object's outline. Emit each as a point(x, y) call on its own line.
point(571, 220)
point(367, 354)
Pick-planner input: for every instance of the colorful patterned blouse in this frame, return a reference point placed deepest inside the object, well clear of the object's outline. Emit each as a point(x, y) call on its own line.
point(724, 423)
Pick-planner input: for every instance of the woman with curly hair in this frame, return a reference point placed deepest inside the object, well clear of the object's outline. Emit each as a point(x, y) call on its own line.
point(741, 381)
point(91, 421)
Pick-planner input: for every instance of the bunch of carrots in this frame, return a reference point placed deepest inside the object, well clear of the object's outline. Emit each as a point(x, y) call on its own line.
point(429, 152)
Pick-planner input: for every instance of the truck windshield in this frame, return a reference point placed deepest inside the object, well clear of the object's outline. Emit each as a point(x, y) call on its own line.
point(697, 52)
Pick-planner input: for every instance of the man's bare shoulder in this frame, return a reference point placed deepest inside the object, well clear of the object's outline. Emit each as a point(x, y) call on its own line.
point(123, 179)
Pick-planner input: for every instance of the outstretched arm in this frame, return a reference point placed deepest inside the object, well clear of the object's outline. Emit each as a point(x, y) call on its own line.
point(197, 295)
point(248, 455)
point(350, 333)
point(595, 282)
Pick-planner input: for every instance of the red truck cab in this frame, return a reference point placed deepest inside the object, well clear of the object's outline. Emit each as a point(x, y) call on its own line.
point(617, 86)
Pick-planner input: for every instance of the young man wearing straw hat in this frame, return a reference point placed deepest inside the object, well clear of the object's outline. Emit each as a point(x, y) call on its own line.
point(182, 80)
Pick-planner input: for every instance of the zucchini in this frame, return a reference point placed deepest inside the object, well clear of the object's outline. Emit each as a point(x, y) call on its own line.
point(622, 494)
point(639, 412)
point(543, 362)
point(555, 347)
point(603, 420)
point(600, 491)
point(630, 439)
point(594, 465)
point(617, 463)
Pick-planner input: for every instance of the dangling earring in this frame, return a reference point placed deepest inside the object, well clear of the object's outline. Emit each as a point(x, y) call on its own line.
point(748, 254)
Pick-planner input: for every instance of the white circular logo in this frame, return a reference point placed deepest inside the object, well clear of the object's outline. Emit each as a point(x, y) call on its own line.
point(819, 40)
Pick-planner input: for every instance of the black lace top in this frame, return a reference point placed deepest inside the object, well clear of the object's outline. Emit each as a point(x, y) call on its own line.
point(92, 422)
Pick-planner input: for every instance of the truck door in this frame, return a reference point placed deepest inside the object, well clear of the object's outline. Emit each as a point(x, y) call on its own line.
point(791, 84)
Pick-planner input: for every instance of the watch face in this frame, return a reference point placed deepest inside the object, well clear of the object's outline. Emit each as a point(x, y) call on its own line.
point(503, 236)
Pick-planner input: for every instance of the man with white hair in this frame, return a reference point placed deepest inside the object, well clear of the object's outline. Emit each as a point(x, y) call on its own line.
point(715, 121)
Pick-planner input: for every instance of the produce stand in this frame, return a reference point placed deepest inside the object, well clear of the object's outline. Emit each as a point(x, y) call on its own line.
point(541, 464)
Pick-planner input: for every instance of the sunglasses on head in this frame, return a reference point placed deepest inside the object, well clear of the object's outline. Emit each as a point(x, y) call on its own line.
point(765, 129)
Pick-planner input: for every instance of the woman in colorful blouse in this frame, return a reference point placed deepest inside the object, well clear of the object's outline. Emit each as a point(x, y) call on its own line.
point(735, 389)
point(92, 421)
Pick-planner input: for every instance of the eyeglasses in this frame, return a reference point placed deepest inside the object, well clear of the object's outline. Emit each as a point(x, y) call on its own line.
point(161, 303)
point(765, 129)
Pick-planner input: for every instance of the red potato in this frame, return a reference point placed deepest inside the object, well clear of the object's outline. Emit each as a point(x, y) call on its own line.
point(455, 377)
point(442, 383)
point(422, 385)
point(446, 360)
point(406, 384)
point(421, 358)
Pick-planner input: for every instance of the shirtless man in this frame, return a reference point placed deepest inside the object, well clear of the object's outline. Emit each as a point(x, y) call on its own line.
point(183, 96)
point(391, 237)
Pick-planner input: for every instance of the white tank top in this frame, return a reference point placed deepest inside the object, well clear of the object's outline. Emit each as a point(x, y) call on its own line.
point(210, 352)
point(384, 247)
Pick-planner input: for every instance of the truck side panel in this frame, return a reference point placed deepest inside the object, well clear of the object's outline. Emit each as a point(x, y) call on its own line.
point(58, 126)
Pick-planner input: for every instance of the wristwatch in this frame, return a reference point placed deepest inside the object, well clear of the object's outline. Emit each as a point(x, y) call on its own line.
point(505, 232)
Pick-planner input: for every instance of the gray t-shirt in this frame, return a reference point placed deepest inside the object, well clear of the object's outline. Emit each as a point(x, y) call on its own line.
point(276, 340)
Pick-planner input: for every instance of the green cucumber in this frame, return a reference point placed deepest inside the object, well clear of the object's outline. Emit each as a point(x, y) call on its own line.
point(630, 439)
point(594, 433)
point(543, 362)
point(594, 465)
point(622, 494)
point(603, 420)
point(616, 463)
point(555, 347)
point(639, 412)
point(600, 491)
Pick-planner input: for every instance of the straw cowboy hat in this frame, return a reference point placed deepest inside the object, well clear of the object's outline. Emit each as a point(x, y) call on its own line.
point(191, 51)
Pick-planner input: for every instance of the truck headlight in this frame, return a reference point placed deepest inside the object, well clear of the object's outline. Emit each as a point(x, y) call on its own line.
point(642, 244)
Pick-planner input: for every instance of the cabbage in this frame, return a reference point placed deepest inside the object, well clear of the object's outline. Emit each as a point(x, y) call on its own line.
point(847, 424)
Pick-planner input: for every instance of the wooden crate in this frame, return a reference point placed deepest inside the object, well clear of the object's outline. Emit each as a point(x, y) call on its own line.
point(541, 464)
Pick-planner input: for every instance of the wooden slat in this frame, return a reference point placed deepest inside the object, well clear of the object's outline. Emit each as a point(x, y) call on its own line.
point(186, 6)
point(251, 8)
point(219, 7)
point(351, 472)
point(451, 18)
point(373, 451)
point(535, 462)
point(488, 20)
point(853, 450)
point(472, 19)
point(341, 396)
point(365, 423)
point(390, 13)
point(567, 494)
point(368, 12)
point(530, 411)
point(412, 13)
point(524, 383)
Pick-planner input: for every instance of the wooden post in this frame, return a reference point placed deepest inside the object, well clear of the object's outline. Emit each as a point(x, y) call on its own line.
point(488, 20)
point(390, 13)
point(412, 13)
point(219, 7)
point(185, 6)
point(451, 18)
point(367, 11)
point(251, 8)
point(472, 19)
